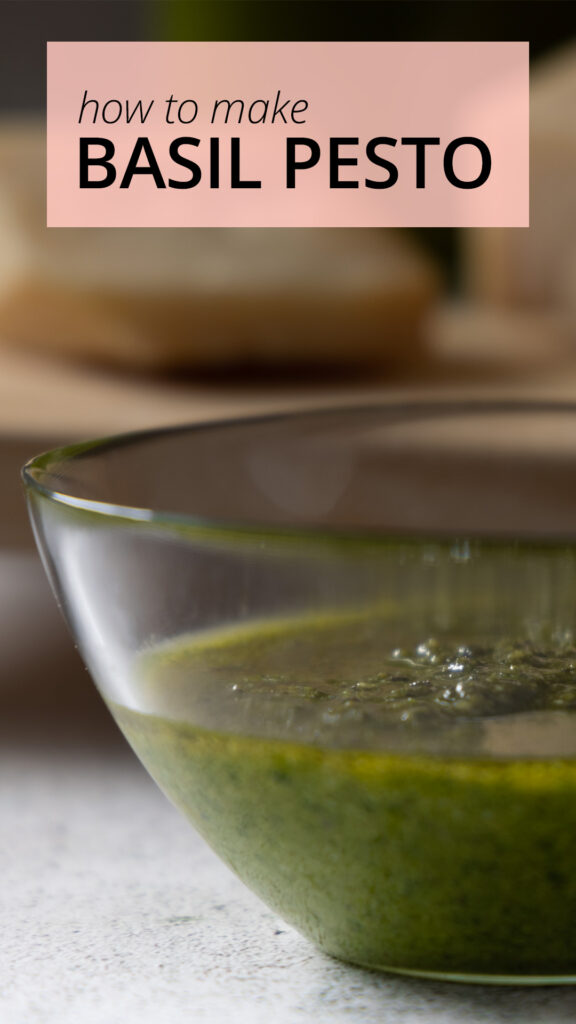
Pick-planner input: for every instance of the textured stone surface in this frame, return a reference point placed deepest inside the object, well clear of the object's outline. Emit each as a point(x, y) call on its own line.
point(113, 912)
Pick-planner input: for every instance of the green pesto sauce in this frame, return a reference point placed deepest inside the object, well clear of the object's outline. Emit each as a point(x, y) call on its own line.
point(403, 807)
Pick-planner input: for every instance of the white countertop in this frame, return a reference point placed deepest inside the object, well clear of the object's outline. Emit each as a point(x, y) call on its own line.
point(114, 911)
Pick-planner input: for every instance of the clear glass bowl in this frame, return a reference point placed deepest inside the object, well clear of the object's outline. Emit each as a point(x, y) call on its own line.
point(343, 643)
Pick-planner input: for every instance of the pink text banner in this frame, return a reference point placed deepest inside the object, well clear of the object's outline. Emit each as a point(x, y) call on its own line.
point(286, 134)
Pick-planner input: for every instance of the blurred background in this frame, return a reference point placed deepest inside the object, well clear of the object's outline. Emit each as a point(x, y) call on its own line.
point(110, 330)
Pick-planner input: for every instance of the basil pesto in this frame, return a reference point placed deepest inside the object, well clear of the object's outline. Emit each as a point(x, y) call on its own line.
point(410, 808)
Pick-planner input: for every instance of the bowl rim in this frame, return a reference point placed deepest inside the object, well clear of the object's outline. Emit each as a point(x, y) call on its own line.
point(210, 527)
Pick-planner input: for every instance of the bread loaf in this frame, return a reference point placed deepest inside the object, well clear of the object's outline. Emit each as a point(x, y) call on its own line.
point(157, 297)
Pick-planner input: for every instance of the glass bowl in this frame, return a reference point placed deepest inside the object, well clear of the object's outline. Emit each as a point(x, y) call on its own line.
point(343, 643)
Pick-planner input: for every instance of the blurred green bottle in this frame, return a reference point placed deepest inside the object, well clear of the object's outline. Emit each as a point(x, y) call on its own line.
point(208, 19)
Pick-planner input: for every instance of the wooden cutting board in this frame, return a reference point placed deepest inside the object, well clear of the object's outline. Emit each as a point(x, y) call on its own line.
point(45, 402)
